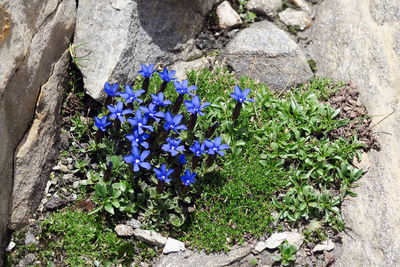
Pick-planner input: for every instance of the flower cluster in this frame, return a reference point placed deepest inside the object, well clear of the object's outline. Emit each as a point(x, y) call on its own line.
point(152, 121)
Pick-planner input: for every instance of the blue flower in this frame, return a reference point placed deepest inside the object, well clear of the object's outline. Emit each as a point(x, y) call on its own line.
point(111, 91)
point(102, 123)
point(167, 76)
point(137, 159)
point(172, 123)
point(240, 96)
point(159, 100)
point(140, 122)
point(188, 178)
point(162, 173)
point(194, 105)
point(152, 112)
point(147, 71)
point(182, 88)
point(118, 112)
point(173, 146)
point(130, 95)
point(197, 148)
point(216, 147)
point(138, 139)
point(182, 159)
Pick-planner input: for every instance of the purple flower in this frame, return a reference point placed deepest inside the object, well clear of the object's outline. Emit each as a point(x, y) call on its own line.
point(216, 147)
point(173, 146)
point(152, 112)
point(172, 123)
point(240, 96)
point(159, 100)
point(162, 173)
point(197, 148)
point(130, 95)
point(102, 123)
point(147, 71)
point(118, 112)
point(195, 107)
point(111, 90)
point(138, 139)
point(182, 88)
point(188, 178)
point(140, 122)
point(137, 159)
point(182, 159)
point(167, 76)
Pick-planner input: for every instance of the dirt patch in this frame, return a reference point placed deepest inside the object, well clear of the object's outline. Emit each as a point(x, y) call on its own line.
point(346, 98)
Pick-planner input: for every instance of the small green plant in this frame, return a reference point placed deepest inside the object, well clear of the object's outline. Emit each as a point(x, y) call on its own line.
point(246, 15)
point(287, 254)
point(76, 59)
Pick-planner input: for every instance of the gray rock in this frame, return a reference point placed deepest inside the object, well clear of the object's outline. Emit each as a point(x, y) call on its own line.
point(260, 246)
point(269, 8)
point(327, 245)
point(150, 237)
point(173, 245)
point(182, 67)
point(54, 203)
point(123, 230)
point(295, 18)
point(275, 240)
point(227, 16)
point(30, 239)
point(295, 239)
point(29, 259)
point(190, 258)
point(135, 224)
point(306, 7)
point(39, 36)
point(10, 246)
point(117, 37)
point(348, 43)
point(267, 54)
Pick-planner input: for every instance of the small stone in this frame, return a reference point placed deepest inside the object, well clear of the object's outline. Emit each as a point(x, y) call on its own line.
point(260, 247)
point(182, 67)
point(327, 245)
point(73, 197)
point(297, 19)
point(30, 239)
point(173, 245)
point(150, 237)
point(10, 246)
point(70, 160)
point(227, 16)
point(276, 239)
point(135, 224)
point(295, 239)
point(269, 8)
point(306, 7)
point(123, 230)
point(54, 203)
point(46, 191)
point(63, 168)
point(29, 259)
point(56, 168)
point(75, 184)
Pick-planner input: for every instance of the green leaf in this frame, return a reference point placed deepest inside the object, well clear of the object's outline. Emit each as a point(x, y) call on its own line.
point(109, 209)
point(101, 189)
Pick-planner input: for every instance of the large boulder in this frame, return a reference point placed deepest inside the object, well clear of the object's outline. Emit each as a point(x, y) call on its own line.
point(33, 38)
point(268, 54)
point(357, 40)
point(117, 36)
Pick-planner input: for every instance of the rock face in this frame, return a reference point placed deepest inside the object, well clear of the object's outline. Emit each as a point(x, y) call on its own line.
point(119, 35)
point(356, 40)
point(269, 8)
point(32, 39)
point(267, 54)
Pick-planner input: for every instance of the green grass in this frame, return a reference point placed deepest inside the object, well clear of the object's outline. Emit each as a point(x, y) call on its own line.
point(283, 168)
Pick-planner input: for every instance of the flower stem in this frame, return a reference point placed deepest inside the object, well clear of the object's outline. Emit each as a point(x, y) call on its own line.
point(210, 160)
point(211, 130)
point(162, 87)
point(146, 85)
point(192, 123)
point(177, 104)
point(195, 162)
point(236, 111)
